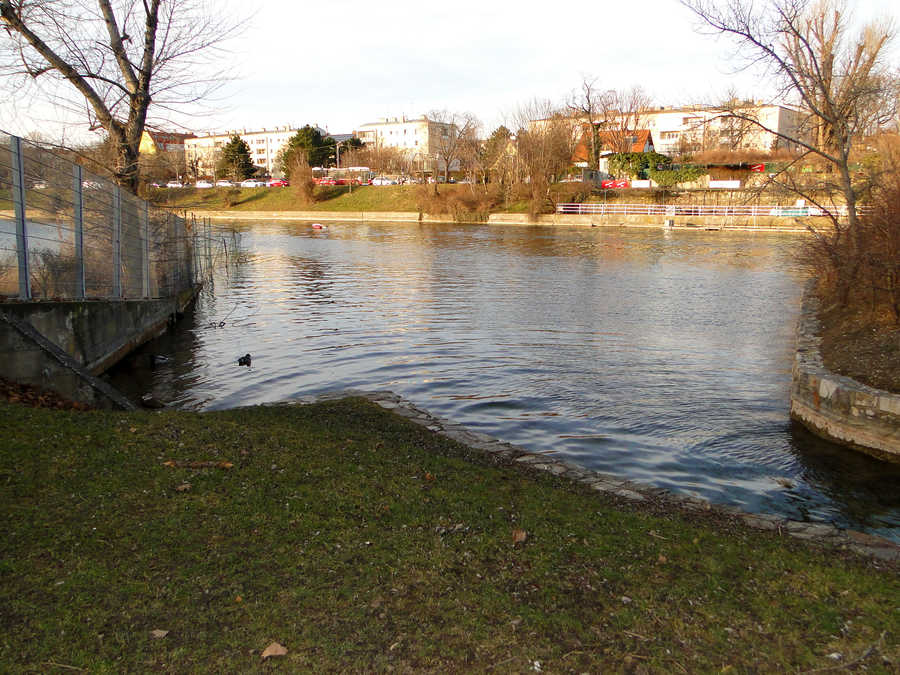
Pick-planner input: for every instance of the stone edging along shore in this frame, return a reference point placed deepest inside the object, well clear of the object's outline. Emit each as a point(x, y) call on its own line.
point(703, 223)
point(821, 533)
point(836, 407)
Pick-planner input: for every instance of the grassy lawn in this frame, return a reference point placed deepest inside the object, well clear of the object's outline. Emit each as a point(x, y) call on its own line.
point(362, 542)
point(331, 198)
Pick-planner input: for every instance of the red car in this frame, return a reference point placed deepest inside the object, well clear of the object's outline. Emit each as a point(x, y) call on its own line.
point(277, 182)
point(326, 180)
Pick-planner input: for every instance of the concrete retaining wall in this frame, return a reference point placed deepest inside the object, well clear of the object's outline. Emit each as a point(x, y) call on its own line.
point(96, 333)
point(768, 224)
point(836, 407)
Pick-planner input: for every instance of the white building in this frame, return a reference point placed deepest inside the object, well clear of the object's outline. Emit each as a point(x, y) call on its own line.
point(694, 128)
point(420, 139)
point(265, 144)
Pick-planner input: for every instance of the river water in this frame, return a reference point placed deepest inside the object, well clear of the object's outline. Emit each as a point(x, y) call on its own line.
point(658, 356)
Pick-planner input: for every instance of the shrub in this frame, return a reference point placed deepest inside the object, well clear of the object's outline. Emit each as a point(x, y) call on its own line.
point(859, 270)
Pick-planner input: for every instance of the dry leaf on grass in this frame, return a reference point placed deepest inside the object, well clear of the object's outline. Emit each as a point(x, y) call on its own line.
point(274, 649)
point(157, 634)
point(184, 487)
point(519, 536)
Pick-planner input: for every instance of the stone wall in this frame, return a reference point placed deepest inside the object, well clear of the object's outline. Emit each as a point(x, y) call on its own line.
point(836, 407)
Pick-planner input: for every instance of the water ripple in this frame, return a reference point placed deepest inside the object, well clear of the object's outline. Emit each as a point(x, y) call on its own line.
point(663, 358)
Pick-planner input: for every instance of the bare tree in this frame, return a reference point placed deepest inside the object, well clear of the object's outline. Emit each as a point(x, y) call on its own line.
point(109, 61)
point(455, 133)
point(843, 82)
point(379, 158)
point(545, 140)
point(595, 106)
point(628, 107)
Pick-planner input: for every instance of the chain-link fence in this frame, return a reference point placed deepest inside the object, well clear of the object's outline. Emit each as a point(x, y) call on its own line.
point(68, 234)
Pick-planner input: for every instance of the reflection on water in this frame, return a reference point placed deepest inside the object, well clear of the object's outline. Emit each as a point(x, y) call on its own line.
point(659, 356)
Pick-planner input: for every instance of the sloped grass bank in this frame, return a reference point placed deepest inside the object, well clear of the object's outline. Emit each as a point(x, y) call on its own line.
point(329, 198)
point(360, 541)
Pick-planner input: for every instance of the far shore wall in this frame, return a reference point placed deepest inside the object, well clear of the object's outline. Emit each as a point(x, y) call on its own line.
point(835, 407)
point(768, 224)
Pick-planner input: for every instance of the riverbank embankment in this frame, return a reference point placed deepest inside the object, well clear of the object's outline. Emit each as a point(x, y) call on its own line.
point(357, 539)
point(836, 407)
point(696, 223)
point(64, 344)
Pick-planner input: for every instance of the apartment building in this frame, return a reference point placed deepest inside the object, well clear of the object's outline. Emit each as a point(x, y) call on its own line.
point(419, 138)
point(695, 128)
point(264, 144)
point(154, 142)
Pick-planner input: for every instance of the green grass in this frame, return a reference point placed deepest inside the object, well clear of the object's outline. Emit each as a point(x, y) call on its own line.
point(364, 543)
point(331, 198)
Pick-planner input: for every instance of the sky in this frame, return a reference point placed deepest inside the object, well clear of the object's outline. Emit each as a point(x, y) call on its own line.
point(343, 63)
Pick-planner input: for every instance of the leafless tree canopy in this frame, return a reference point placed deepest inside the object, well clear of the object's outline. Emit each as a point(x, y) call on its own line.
point(842, 81)
point(115, 63)
point(457, 137)
point(595, 106)
point(545, 140)
point(629, 106)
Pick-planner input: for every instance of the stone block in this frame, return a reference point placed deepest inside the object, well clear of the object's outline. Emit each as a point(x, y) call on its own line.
point(889, 404)
point(827, 388)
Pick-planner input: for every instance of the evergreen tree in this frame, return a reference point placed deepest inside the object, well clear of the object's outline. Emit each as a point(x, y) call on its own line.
point(309, 143)
point(236, 161)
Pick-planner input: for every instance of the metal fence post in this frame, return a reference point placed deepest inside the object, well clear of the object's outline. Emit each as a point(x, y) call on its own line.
point(145, 250)
point(78, 223)
point(18, 171)
point(117, 241)
point(209, 248)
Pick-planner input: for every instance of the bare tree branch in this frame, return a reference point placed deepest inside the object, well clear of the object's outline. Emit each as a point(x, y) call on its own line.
point(113, 61)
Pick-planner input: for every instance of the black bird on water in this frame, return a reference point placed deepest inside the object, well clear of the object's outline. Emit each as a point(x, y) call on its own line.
point(244, 360)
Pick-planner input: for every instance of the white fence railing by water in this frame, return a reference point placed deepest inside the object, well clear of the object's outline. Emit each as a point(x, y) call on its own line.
point(672, 210)
point(68, 234)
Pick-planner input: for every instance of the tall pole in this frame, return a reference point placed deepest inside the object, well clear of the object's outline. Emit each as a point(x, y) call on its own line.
point(18, 176)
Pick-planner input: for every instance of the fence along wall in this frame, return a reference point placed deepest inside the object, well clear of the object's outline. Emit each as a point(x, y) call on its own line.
point(66, 233)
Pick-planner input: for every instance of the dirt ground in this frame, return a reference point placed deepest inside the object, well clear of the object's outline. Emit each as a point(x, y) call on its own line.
point(870, 355)
point(37, 398)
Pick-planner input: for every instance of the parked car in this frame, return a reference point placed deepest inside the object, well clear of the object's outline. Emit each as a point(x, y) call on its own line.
point(154, 184)
point(174, 184)
point(224, 183)
point(383, 180)
point(277, 182)
point(203, 184)
point(252, 182)
point(326, 180)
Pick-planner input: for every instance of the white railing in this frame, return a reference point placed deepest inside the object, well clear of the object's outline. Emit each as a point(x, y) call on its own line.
point(68, 234)
point(673, 210)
